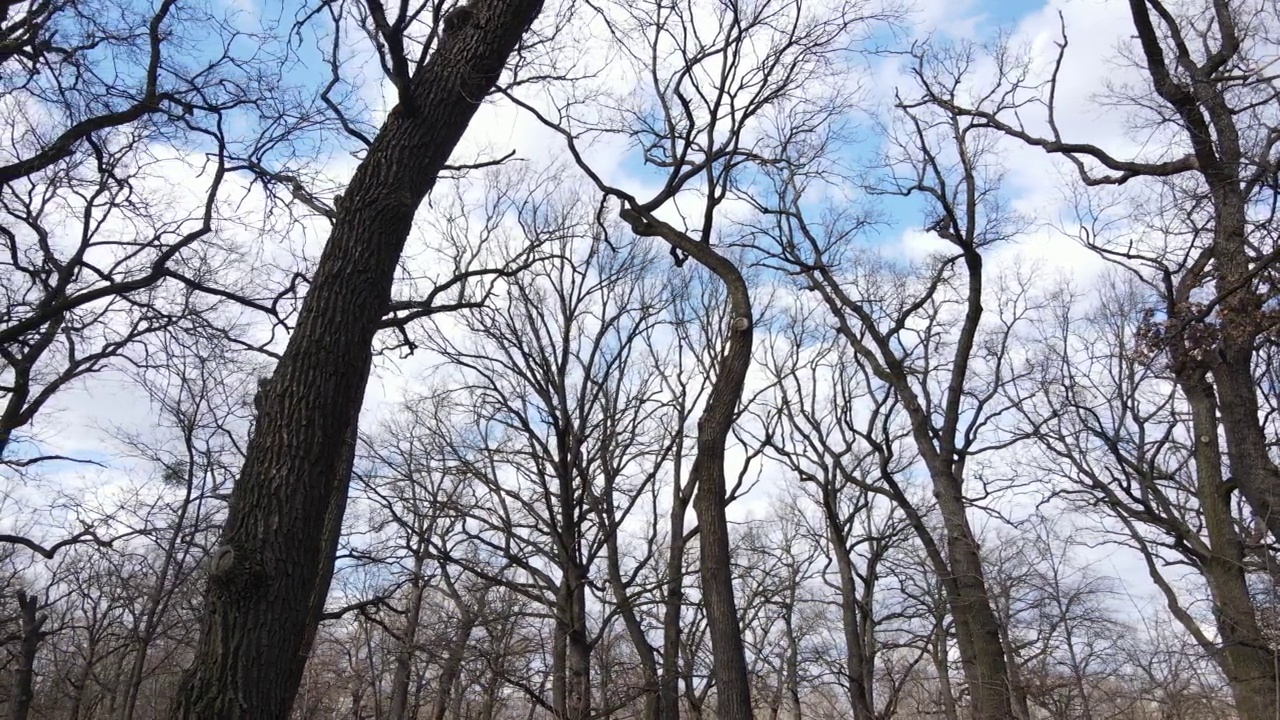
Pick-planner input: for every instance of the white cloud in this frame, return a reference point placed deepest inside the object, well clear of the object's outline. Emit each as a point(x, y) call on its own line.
point(1096, 27)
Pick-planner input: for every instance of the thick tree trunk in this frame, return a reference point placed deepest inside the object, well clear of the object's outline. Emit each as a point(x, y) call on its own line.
point(571, 684)
point(963, 579)
point(571, 681)
point(977, 631)
point(1244, 658)
point(1240, 316)
point(729, 658)
point(1210, 121)
point(24, 670)
point(1241, 313)
point(578, 680)
point(792, 674)
point(265, 599)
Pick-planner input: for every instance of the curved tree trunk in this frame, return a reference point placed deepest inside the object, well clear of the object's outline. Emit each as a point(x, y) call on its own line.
point(265, 599)
point(729, 658)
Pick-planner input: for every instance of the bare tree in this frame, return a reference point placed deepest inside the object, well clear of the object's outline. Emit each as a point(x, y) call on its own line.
point(94, 232)
point(1211, 94)
point(417, 497)
point(712, 74)
point(696, 315)
point(201, 392)
point(1138, 438)
point(782, 619)
point(32, 633)
point(842, 434)
point(568, 425)
point(922, 331)
point(267, 595)
point(1061, 632)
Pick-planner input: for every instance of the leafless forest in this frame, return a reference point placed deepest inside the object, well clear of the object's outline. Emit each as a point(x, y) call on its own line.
point(640, 359)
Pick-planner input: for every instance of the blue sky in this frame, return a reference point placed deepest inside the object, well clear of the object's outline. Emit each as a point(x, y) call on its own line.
point(1031, 181)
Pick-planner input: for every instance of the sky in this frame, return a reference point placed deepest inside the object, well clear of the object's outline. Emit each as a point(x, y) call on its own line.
point(82, 419)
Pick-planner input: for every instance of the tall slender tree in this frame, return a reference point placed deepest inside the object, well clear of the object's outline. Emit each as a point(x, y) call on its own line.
point(713, 73)
point(1211, 101)
point(923, 331)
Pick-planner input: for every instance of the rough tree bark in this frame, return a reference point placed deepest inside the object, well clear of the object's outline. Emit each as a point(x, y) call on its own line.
point(24, 671)
point(729, 658)
point(1245, 658)
point(1209, 119)
point(1199, 99)
point(267, 590)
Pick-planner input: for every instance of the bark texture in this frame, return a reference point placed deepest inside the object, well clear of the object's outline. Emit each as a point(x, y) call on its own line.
point(24, 669)
point(729, 660)
point(265, 601)
point(1245, 658)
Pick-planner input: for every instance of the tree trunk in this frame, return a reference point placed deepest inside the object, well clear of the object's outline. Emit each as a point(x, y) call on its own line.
point(24, 672)
point(157, 599)
point(861, 685)
point(935, 424)
point(946, 694)
point(976, 627)
point(673, 601)
point(86, 674)
point(729, 658)
point(667, 705)
point(408, 642)
point(264, 602)
point(673, 605)
point(791, 676)
point(977, 631)
point(1244, 657)
point(1241, 312)
point(1210, 122)
point(635, 630)
point(571, 685)
point(1004, 624)
point(451, 670)
point(579, 666)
